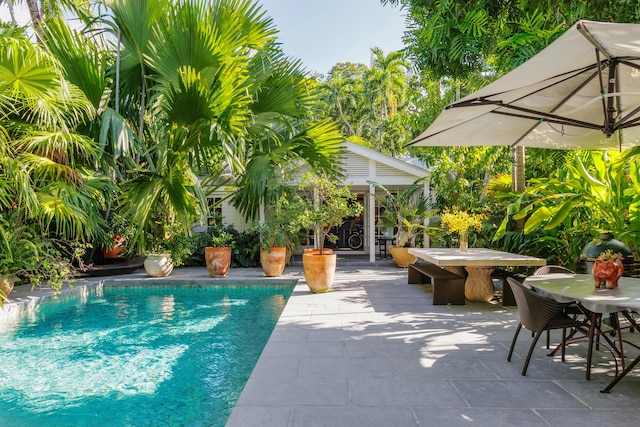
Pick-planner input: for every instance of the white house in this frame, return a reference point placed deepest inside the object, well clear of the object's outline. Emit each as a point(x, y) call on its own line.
point(361, 165)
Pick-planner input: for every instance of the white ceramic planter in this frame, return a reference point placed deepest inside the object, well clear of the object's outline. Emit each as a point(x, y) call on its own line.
point(158, 265)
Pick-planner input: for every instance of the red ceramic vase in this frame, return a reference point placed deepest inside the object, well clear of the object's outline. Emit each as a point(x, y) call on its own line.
point(607, 273)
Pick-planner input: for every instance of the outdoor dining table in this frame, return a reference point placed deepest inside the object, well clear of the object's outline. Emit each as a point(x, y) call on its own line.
point(622, 300)
point(479, 264)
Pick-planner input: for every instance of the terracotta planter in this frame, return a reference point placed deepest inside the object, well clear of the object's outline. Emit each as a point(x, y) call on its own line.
point(607, 273)
point(218, 260)
point(273, 260)
point(118, 250)
point(115, 252)
point(325, 251)
point(402, 257)
point(158, 265)
point(7, 281)
point(319, 270)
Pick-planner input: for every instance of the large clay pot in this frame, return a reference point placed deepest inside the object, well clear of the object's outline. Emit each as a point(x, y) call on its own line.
point(607, 273)
point(325, 251)
point(319, 270)
point(402, 257)
point(158, 265)
point(273, 260)
point(7, 281)
point(115, 253)
point(118, 250)
point(218, 260)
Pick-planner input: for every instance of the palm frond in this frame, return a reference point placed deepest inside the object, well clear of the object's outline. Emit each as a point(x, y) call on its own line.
point(61, 147)
point(84, 61)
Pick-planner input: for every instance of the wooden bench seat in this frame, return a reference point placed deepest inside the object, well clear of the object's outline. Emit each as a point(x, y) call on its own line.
point(448, 287)
point(507, 295)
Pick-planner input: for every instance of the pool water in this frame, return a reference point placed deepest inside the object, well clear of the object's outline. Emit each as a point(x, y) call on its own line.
point(135, 356)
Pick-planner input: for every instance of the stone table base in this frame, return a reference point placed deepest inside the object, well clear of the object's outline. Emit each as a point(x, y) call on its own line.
point(479, 286)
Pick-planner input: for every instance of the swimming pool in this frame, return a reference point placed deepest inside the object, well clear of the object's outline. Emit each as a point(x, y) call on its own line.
point(135, 356)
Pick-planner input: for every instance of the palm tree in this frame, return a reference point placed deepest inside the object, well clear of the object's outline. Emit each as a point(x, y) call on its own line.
point(342, 95)
point(386, 81)
point(47, 172)
point(282, 132)
point(213, 90)
point(184, 67)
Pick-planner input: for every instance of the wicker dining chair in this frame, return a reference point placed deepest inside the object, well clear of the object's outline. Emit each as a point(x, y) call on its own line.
point(573, 309)
point(538, 314)
point(552, 269)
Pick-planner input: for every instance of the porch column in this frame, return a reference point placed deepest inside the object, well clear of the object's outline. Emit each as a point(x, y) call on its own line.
point(426, 194)
point(371, 224)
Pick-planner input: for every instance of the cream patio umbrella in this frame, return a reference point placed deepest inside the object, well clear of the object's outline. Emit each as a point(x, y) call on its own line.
point(580, 92)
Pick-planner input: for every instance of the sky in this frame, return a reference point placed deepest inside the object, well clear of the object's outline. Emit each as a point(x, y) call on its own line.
point(323, 33)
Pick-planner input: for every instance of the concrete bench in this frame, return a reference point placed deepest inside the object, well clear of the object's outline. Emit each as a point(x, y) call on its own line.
point(448, 287)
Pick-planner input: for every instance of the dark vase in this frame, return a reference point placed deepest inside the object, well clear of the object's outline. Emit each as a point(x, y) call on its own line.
point(604, 243)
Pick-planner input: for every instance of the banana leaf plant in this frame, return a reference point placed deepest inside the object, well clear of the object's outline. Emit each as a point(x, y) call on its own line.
point(598, 190)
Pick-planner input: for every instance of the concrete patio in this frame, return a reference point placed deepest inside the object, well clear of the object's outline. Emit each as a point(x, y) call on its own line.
point(375, 352)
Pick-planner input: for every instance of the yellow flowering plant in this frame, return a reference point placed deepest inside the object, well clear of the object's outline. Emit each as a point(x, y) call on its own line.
point(457, 221)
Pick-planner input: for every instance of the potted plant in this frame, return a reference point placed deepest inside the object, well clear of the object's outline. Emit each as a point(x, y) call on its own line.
point(168, 247)
point(218, 255)
point(461, 222)
point(407, 213)
point(273, 249)
point(120, 233)
point(324, 206)
point(280, 234)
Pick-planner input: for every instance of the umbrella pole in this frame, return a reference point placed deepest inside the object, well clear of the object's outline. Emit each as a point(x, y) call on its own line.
point(518, 177)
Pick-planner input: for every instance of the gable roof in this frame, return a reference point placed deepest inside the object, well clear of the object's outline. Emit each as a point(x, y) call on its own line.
point(363, 164)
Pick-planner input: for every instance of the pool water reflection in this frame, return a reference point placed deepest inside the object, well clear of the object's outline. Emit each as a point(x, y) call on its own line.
point(136, 356)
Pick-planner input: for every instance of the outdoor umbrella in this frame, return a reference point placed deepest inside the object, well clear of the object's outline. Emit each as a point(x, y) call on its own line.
point(580, 92)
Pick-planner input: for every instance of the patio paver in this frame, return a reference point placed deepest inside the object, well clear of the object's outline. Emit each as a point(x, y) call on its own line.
point(405, 362)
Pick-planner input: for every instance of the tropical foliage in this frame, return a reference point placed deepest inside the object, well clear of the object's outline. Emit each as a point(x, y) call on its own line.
point(138, 114)
point(465, 45)
point(406, 212)
point(47, 169)
point(594, 192)
point(465, 40)
point(324, 206)
point(374, 104)
point(142, 107)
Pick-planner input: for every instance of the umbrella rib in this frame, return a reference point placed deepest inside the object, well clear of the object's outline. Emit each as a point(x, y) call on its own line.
point(600, 81)
point(538, 115)
point(582, 28)
point(623, 124)
point(625, 60)
point(568, 75)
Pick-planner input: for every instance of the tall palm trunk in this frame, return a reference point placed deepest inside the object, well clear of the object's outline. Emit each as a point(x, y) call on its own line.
point(36, 17)
point(12, 12)
point(143, 105)
point(518, 178)
point(350, 129)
